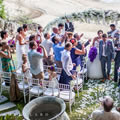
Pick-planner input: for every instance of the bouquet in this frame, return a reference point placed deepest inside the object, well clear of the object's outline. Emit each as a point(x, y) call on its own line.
point(92, 54)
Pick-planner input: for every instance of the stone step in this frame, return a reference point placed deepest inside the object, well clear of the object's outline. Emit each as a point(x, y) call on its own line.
point(3, 99)
point(14, 112)
point(6, 106)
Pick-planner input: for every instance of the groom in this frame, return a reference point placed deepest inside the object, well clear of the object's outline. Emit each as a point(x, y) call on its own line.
point(106, 55)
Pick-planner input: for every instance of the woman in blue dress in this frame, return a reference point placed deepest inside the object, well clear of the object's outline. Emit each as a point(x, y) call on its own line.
point(75, 53)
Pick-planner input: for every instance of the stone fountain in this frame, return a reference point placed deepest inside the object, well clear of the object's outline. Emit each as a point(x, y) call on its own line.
point(45, 108)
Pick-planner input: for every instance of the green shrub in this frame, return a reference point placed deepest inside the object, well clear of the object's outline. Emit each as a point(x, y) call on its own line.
point(2, 10)
point(11, 117)
point(24, 20)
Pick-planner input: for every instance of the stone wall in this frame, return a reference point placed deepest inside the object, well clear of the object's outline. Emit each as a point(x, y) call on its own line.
point(11, 26)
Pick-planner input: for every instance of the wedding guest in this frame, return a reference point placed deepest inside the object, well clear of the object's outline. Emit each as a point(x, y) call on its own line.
point(25, 68)
point(69, 36)
point(12, 45)
point(4, 36)
point(106, 113)
point(60, 28)
point(24, 65)
point(79, 46)
point(36, 60)
point(6, 60)
point(55, 32)
point(117, 62)
point(75, 53)
point(32, 38)
point(52, 77)
point(40, 35)
point(118, 109)
point(20, 46)
point(25, 29)
point(66, 75)
point(114, 32)
point(69, 27)
point(26, 37)
point(106, 55)
point(57, 48)
point(48, 45)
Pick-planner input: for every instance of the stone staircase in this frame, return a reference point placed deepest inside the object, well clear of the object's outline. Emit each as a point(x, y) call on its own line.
point(8, 108)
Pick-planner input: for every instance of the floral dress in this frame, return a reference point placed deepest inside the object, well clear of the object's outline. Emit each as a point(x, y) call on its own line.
point(7, 64)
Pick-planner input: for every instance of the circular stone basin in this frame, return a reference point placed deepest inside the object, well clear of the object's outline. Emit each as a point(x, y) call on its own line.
point(44, 108)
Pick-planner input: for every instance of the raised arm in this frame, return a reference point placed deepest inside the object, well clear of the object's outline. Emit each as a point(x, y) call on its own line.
point(87, 43)
point(80, 52)
point(44, 51)
point(4, 55)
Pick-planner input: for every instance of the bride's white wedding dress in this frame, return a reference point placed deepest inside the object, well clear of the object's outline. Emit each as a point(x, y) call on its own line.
point(94, 68)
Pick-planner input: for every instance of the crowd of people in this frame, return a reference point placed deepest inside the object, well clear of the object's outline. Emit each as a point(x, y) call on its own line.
point(62, 49)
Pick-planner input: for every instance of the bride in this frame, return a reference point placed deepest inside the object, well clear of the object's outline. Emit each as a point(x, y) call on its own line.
point(94, 67)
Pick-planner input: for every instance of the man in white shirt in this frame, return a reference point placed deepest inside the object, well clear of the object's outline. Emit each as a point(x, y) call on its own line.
point(48, 44)
point(66, 75)
point(106, 113)
point(36, 60)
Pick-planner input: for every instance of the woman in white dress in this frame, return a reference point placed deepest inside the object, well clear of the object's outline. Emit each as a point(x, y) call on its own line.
point(20, 47)
point(26, 37)
point(94, 68)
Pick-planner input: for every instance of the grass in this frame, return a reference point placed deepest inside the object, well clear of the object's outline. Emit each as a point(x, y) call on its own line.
point(88, 101)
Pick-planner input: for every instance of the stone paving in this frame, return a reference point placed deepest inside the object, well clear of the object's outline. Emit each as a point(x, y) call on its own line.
point(3, 99)
point(6, 106)
point(14, 112)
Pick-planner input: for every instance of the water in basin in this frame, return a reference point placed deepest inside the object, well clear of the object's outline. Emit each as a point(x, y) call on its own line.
point(44, 111)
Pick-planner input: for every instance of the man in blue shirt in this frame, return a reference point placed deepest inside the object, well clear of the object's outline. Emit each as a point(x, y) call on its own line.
point(57, 48)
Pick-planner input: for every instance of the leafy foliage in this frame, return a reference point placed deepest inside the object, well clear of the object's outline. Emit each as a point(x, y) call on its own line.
point(2, 10)
point(24, 20)
point(11, 117)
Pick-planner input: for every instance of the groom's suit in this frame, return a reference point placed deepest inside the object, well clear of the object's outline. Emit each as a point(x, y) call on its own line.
point(117, 61)
point(106, 54)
